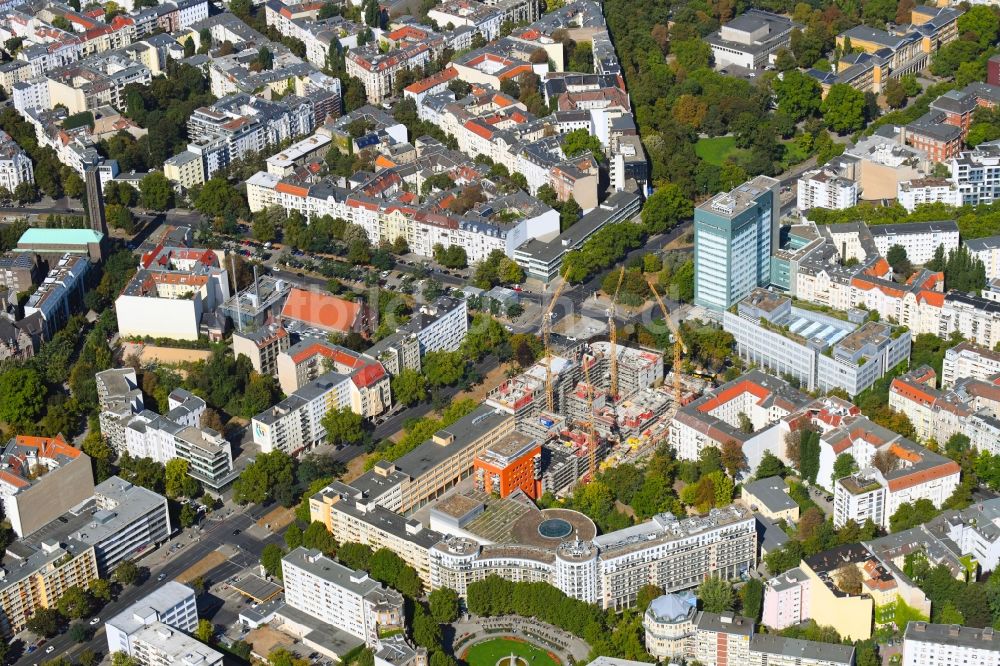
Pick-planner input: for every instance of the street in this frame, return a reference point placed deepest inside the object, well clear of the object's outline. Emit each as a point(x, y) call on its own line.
point(217, 531)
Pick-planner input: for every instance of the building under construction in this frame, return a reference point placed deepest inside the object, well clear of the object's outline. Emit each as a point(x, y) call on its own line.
point(584, 409)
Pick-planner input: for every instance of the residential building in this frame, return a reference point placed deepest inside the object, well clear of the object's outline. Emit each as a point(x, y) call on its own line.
point(926, 644)
point(669, 626)
point(36, 576)
point(15, 165)
point(735, 234)
point(295, 424)
point(311, 357)
point(775, 650)
point(986, 250)
point(354, 607)
point(439, 326)
point(119, 397)
point(720, 417)
point(178, 434)
point(770, 498)
point(967, 360)
point(326, 313)
point(975, 318)
point(819, 350)
point(751, 39)
point(172, 604)
point(722, 638)
point(824, 188)
point(40, 479)
point(911, 473)
point(262, 346)
point(786, 600)
point(59, 293)
point(19, 271)
point(156, 643)
point(919, 239)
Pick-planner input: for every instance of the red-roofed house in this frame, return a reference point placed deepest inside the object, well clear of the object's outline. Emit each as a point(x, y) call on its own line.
point(40, 479)
point(326, 312)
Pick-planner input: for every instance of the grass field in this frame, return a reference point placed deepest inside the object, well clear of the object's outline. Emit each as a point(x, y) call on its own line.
point(489, 652)
point(716, 149)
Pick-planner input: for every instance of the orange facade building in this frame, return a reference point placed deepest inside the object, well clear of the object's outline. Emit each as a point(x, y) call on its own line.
point(512, 464)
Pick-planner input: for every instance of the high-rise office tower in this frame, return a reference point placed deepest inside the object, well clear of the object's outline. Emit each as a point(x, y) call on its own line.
point(735, 234)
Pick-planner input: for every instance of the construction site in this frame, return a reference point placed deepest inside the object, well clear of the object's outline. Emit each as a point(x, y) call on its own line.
point(596, 404)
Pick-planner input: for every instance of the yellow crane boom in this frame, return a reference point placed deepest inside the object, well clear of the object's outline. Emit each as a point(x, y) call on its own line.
point(613, 337)
point(546, 330)
point(678, 343)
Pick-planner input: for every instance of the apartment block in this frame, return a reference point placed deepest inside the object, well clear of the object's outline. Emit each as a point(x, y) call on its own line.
point(157, 644)
point(172, 604)
point(824, 188)
point(15, 165)
point(919, 239)
point(40, 479)
point(294, 424)
point(735, 234)
point(36, 576)
point(262, 346)
point(926, 644)
point(967, 360)
point(59, 293)
point(354, 607)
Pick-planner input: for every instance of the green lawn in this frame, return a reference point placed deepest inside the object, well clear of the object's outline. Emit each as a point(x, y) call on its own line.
point(489, 652)
point(716, 149)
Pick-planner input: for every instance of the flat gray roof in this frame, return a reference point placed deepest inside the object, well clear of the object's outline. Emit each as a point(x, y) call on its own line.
point(801, 649)
point(953, 634)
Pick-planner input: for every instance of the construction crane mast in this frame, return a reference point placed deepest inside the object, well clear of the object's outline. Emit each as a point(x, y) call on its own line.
point(678, 343)
point(613, 337)
point(592, 436)
point(546, 330)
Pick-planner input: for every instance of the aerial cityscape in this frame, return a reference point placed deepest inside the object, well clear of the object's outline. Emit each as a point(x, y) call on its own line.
point(499, 333)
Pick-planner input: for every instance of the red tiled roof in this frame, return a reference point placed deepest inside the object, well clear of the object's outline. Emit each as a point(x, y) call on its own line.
point(322, 310)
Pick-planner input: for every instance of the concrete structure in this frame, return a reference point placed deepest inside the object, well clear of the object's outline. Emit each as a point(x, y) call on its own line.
point(819, 350)
point(156, 643)
point(926, 644)
point(966, 360)
point(510, 465)
point(52, 244)
point(15, 165)
point(172, 604)
point(986, 250)
point(735, 234)
point(59, 294)
point(751, 39)
point(40, 479)
point(295, 424)
point(311, 357)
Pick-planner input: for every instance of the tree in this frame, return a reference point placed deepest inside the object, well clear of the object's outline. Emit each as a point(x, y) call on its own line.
point(44, 622)
point(844, 108)
point(951, 615)
point(88, 658)
point(752, 598)
point(849, 578)
point(426, 632)
point(798, 95)
point(205, 631)
point(770, 465)
point(220, 199)
point(24, 396)
point(911, 515)
point(895, 93)
point(980, 23)
point(156, 191)
point(716, 595)
point(665, 208)
point(733, 459)
point(896, 256)
point(75, 603)
point(78, 633)
point(845, 465)
point(127, 572)
point(178, 482)
point(581, 141)
point(443, 368)
point(343, 426)
point(100, 588)
point(270, 559)
point(122, 659)
point(443, 604)
point(409, 387)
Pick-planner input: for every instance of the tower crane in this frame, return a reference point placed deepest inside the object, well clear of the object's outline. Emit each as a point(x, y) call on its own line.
point(613, 337)
point(678, 344)
point(592, 436)
point(546, 330)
